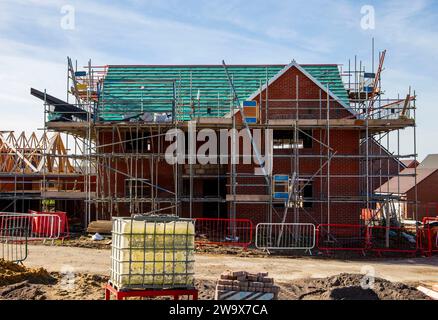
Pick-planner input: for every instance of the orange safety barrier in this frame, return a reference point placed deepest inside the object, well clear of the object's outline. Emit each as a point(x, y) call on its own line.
point(391, 239)
point(42, 224)
point(428, 209)
point(341, 237)
point(428, 236)
point(377, 239)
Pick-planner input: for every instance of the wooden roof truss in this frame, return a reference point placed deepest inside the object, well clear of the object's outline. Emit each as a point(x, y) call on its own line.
point(33, 155)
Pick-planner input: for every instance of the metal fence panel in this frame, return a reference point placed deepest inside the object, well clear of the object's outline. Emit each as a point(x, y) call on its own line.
point(342, 237)
point(428, 236)
point(229, 232)
point(391, 239)
point(36, 226)
point(13, 244)
point(285, 236)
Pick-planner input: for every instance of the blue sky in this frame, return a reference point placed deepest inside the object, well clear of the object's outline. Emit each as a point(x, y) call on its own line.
point(33, 46)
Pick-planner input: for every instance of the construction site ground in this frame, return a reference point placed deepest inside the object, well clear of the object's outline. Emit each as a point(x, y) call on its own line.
point(80, 272)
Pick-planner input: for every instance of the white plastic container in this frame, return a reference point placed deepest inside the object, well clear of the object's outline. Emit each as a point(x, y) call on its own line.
point(152, 252)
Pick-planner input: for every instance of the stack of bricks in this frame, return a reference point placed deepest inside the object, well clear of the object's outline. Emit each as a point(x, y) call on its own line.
point(246, 282)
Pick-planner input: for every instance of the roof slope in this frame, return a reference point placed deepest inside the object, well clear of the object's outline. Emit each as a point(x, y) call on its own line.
point(406, 181)
point(431, 161)
point(410, 163)
point(149, 88)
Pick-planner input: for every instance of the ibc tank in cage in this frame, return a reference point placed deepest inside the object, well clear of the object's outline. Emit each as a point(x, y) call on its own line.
point(152, 252)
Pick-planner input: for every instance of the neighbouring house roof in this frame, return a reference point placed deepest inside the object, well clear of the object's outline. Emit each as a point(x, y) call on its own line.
point(381, 149)
point(128, 90)
point(410, 163)
point(431, 161)
point(406, 181)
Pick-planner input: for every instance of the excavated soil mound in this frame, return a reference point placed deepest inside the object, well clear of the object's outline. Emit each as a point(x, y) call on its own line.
point(350, 293)
point(23, 291)
point(348, 287)
point(20, 283)
point(12, 273)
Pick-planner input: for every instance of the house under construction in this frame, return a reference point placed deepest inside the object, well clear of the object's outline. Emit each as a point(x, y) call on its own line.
point(38, 173)
point(332, 131)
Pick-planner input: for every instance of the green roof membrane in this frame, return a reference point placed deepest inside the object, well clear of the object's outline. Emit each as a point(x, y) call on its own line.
point(132, 90)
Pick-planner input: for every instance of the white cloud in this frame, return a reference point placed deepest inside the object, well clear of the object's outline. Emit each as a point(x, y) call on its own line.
point(19, 110)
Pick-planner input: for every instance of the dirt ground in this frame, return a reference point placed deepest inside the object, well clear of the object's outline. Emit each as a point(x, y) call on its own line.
point(18, 282)
point(87, 242)
point(80, 273)
point(210, 266)
point(21, 283)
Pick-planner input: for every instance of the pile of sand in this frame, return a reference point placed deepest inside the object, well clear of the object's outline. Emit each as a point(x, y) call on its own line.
point(20, 283)
point(11, 273)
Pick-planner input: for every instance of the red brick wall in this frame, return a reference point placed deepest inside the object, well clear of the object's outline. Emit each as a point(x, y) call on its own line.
point(308, 92)
point(380, 169)
point(343, 142)
point(427, 196)
point(24, 184)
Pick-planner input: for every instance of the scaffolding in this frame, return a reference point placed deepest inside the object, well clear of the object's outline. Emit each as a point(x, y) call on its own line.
point(122, 147)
